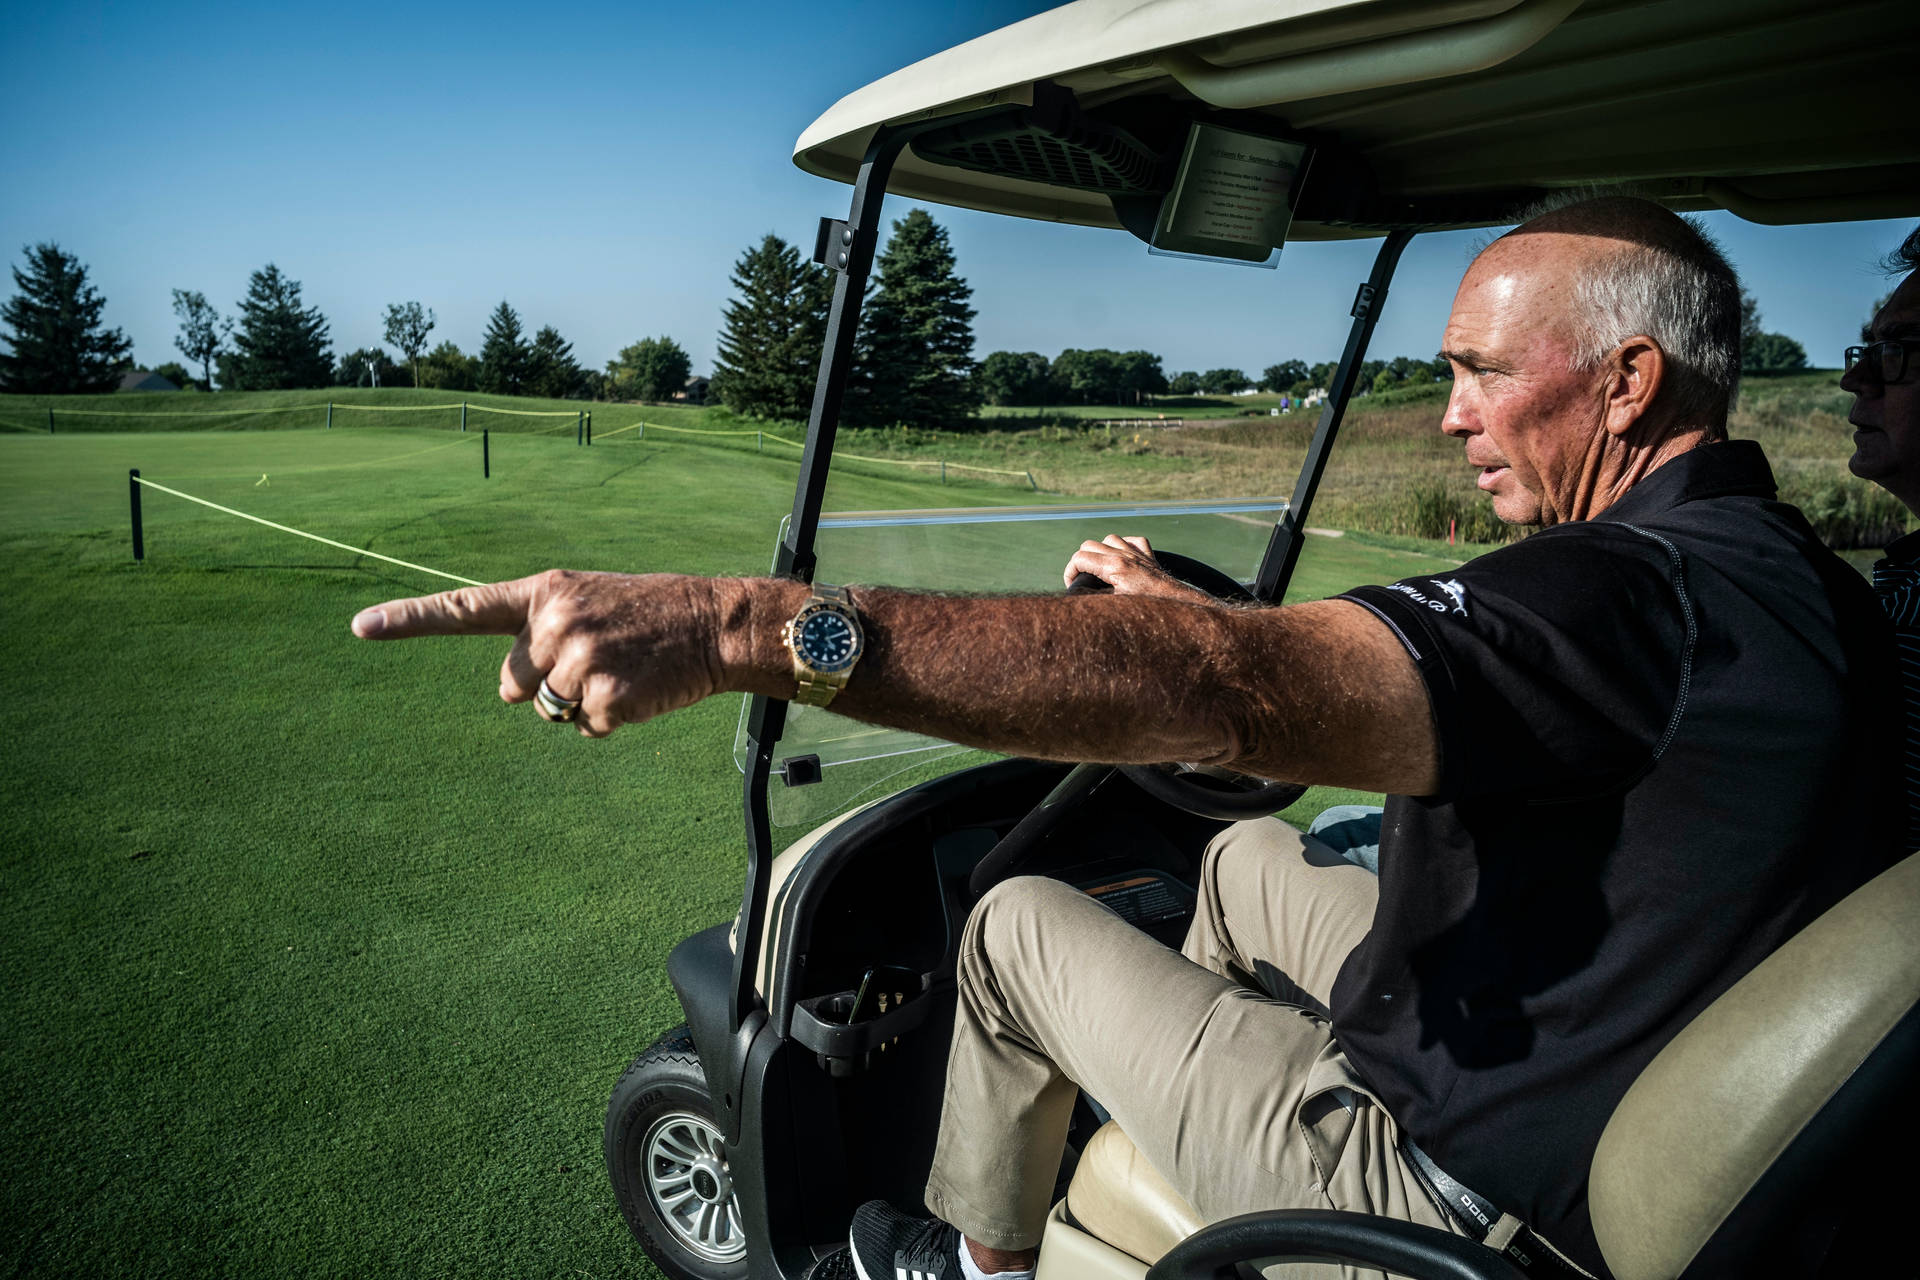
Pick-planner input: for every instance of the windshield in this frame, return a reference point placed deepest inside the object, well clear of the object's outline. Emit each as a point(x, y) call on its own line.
point(974, 549)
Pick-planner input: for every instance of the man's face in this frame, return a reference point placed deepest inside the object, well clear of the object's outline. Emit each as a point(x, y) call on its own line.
point(1531, 424)
point(1886, 417)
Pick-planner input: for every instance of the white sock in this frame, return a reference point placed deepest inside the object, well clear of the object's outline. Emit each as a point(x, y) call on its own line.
point(971, 1269)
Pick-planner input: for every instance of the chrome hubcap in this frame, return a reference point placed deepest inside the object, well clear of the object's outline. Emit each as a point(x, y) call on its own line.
point(691, 1187)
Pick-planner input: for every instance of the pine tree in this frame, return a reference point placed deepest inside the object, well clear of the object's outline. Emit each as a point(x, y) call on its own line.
point(916, 346)
point(278, 344)
point(769, 348)
point(53, 326)
point(551, 369)
point(503, 353)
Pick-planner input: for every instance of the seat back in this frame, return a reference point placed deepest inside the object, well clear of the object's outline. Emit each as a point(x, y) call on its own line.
point(1761, 1132)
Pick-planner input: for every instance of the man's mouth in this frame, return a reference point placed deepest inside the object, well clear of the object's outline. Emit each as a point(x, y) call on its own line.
point(1490, 476)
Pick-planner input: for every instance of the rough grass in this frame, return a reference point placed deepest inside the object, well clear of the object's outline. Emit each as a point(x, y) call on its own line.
point(321, 960)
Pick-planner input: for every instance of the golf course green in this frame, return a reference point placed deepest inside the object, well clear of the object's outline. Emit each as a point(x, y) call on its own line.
point(322, 959)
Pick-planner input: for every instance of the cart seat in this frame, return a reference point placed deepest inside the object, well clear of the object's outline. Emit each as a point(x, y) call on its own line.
point(1118, 1197)
point(1773, 1135)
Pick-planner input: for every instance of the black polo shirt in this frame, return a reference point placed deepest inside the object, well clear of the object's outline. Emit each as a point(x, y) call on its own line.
point(1665, 737)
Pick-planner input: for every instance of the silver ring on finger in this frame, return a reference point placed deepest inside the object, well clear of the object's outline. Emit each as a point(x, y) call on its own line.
point(552, 706)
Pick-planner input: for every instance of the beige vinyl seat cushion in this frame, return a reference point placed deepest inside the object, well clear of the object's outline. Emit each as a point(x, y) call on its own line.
point(1118, 1197)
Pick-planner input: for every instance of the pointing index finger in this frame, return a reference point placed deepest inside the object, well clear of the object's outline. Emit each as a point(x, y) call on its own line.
point(497, 609)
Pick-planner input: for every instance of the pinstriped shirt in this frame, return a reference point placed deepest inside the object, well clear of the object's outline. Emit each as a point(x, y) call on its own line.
point(1896, 580)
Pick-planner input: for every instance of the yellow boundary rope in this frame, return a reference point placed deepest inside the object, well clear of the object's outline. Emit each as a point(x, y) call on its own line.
point(302, 533)
point(321, 407)
point(210, 413)
point(394, 408)
point(525, 413)
point(695, 431)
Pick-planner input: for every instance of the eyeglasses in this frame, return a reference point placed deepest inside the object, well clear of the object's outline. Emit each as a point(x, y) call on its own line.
point(1882, 361)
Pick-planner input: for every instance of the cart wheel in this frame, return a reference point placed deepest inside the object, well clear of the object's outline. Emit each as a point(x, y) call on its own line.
point(669, 1167)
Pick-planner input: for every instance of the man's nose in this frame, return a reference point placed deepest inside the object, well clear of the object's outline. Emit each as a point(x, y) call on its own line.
point(1457, 421)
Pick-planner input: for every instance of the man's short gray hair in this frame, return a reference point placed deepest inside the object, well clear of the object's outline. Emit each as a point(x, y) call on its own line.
point(1668, 281)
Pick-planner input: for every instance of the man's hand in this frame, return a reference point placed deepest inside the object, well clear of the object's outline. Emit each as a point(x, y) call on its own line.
point(1127, 565)
point(628, 648)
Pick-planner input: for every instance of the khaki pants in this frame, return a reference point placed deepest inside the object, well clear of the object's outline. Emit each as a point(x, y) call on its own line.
point(1218, 1063)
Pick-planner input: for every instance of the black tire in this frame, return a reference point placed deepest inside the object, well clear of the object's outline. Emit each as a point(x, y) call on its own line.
point(668, 1166)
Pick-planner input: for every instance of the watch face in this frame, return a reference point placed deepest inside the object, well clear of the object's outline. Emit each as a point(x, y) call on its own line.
point(827, 641)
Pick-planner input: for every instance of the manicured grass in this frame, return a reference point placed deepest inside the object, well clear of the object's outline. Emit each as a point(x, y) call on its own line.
point(322, 959)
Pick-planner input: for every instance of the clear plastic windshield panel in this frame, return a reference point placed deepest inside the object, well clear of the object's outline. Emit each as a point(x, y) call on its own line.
point(975, 549)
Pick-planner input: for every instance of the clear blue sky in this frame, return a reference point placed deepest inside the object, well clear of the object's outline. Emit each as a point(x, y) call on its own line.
point(602, 165)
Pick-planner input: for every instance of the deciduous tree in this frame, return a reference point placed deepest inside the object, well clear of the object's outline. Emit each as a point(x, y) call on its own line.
point(1016, 377)
point(278, 344)
point(1773, 353)
point(176, 373)
point(771, 332)
point(916, 343)
point(650, 369)
point(1137, 376)
point(448, 368)
point(53, 325)
point(1185, 383)
point(203, 331)
point(367, 367)
point(1224, 382)
point(1088, 375)
point(408, 324)
point(1282, 376)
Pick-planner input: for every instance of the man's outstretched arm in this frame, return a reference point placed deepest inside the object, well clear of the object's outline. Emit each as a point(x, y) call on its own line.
point(1310, 693)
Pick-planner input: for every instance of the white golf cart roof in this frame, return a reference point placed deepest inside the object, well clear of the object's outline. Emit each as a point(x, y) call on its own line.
point(1424, 113)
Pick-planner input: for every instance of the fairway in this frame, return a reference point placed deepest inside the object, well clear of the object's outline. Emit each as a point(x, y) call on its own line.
point(324, 960)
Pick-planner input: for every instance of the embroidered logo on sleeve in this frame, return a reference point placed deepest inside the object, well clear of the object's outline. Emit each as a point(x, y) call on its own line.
point(1448, 595)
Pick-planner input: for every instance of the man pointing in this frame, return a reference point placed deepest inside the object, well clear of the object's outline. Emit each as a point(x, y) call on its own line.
point(1625, 757)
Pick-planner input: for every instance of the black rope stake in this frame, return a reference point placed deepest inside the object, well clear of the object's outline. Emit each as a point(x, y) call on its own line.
point(486, 455)
point(133, 497)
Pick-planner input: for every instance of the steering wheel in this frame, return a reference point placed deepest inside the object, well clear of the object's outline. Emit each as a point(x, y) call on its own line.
point(1206, 790)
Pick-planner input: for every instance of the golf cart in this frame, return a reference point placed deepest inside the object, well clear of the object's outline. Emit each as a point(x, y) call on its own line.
point(807, 1078)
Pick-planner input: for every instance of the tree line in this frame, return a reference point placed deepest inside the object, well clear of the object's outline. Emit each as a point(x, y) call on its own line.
point(273, 341)
point(913, 359)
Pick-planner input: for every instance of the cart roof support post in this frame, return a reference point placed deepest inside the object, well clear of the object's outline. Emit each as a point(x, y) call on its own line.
point(1283, 550)
point(846, 248)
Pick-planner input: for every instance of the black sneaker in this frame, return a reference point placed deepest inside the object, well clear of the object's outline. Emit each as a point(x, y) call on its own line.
point(888, 1245)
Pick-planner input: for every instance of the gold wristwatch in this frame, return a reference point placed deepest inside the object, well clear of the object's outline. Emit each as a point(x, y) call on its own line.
point(825, 640)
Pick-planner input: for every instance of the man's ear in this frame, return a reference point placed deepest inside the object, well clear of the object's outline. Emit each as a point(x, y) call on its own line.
point(1636, 371)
